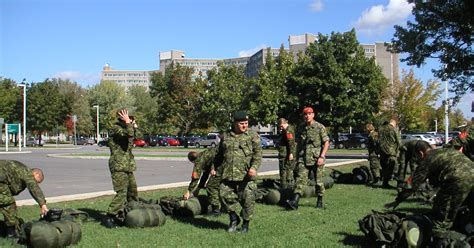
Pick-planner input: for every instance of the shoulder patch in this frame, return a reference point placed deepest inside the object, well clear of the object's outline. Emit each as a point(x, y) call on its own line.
point(289, 136)
point(195, 175)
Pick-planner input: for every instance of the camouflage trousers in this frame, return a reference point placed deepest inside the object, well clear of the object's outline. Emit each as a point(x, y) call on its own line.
point(286, 168)
point(451, 195)
point(125, 188)
point(235, 193)
point(374, 163)
point(304, 172)
point(212, 189)
point(389, 167)
point(8, 206)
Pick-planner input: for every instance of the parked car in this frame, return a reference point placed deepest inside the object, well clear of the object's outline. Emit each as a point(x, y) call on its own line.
point(104, 142)
point(172, 141)
point(212, 140)
point(32, 141)
point(193, 140)
point(355, 141)
point(273, 137)
point(162, 141)
point(84, 141)
point(266, 142)
point(139, 142)
point(407, 137)
point(151, 140)
point(426, 137)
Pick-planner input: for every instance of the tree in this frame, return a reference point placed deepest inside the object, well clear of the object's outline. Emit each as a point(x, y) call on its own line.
point(146, 109)
point(412, 102)
point(11, 101)
point(443, 30)
point(270, 94)
point(178, 96)
point(337, 79)
point(227, 91)
point(110, 97)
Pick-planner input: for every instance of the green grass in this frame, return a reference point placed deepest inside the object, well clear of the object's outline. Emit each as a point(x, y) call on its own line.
point(273, 226)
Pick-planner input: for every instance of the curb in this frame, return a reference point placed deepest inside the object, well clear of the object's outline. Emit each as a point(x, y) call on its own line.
point(85, 196)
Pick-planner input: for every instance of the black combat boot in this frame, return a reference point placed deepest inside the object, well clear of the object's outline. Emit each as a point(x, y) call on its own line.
point(12, 233)
point(319, 203)
point(293, 204)
point(215, 211)
point(245, 227)
point(234, 222)
point(109, 221)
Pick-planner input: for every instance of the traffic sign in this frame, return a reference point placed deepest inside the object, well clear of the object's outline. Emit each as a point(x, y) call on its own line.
point(13, 128)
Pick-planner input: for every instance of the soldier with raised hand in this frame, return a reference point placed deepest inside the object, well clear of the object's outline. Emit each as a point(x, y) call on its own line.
point(122, 165)
point(373, 150)
point(238, 158)
point(312, 144)
point(14, 178)
point(451, 172)
point(203, 169)
point(390, 142)
point(286, 152)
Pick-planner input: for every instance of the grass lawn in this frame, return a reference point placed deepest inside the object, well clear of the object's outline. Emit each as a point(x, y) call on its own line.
point(273, 226)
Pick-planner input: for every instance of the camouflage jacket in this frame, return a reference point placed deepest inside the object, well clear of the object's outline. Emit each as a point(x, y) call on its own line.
point(18, 177)
point(287, 142)
point(373, 143)
point(310, 140)
point(389, 140)
point(444, 165)
point(237, 153)
point(408, 153)
point(466, 144)
point(121, 144)
point(204, 163)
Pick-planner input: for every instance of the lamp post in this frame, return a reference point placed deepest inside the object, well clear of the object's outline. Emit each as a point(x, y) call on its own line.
point(97, 118)
point(24, 113)
point(446, 114)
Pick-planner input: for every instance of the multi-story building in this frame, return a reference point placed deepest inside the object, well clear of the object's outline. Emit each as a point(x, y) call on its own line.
point(126, 78)
point(200, 66)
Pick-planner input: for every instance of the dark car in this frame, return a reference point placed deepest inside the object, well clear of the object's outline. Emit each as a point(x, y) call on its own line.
point(84, 141)
point(151, 140)
point(355, 141)
point(104, 142)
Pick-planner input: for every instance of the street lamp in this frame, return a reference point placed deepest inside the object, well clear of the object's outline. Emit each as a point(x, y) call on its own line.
point(97, 117)
point(23, 84)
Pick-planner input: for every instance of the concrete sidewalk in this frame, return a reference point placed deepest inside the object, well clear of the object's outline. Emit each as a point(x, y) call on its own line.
point(84, 196)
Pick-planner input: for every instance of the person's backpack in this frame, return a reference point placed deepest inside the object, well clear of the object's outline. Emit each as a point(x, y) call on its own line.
point(383, 228)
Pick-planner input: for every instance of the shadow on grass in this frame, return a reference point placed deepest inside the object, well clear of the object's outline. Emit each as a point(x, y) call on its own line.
point(354, 240)
point(201, 222)
point(94, 214)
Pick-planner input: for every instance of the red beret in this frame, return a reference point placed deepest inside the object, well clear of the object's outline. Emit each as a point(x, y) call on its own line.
point(308, 110)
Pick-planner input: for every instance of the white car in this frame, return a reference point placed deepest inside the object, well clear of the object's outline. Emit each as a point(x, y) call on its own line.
point(425, 137)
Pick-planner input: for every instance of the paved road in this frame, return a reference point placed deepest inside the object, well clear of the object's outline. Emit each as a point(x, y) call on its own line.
point(66, 176)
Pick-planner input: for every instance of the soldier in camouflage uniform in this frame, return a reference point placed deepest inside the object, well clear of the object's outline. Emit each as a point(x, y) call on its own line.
point(312, 144)
point(14, 178)
point(286, 152)
point(203, 168)
point(408, 157)
point(121, 165)
point(238, 158)
point(389, 141)
point(374, 151)
point(464, 141)
point(452, 173)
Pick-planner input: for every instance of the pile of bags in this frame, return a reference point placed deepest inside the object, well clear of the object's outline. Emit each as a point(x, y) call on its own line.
point(359, 175)
point(143, 213)
point(176, 206)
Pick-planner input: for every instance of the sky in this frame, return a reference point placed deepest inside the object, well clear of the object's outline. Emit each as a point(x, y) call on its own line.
point(74, 39)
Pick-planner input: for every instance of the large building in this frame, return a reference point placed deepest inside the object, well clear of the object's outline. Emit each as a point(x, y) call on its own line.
point(389, 62)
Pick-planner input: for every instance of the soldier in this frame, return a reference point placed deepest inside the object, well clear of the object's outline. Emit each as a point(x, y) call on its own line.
point(447, 169)
point(373, 150)
point(238, 158)
point(14, 178)
point(286, 152)
point(312, 144)
point(408, 157)
point(464, 142)
point(389, 141)
point(203, 168)
point(121, 165)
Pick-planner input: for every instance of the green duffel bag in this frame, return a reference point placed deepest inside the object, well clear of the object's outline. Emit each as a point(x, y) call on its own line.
point(309, 191)
point(272, 197)
point(42, 234)
point(190, 207)
point(328, 182)
point(144, 217)
point(69, 232)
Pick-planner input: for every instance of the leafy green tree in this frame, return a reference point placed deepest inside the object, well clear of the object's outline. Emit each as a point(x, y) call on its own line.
point(44, 107)
point(179, 97)
point(442, 30)
point(146, 109)
point(11, 101)
point(227, 91)
point(337, 80)
point(270, 94)
point(412, 101)
point(110, 97)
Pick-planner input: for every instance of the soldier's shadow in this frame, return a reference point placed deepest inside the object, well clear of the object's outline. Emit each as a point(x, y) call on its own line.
point(94, 214)
point(202, 222)
point(354, 240)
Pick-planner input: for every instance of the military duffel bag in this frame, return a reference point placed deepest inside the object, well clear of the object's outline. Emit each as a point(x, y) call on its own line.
point(145, 217)
point(46, 234)
point(272, 197)
point(193, 206)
